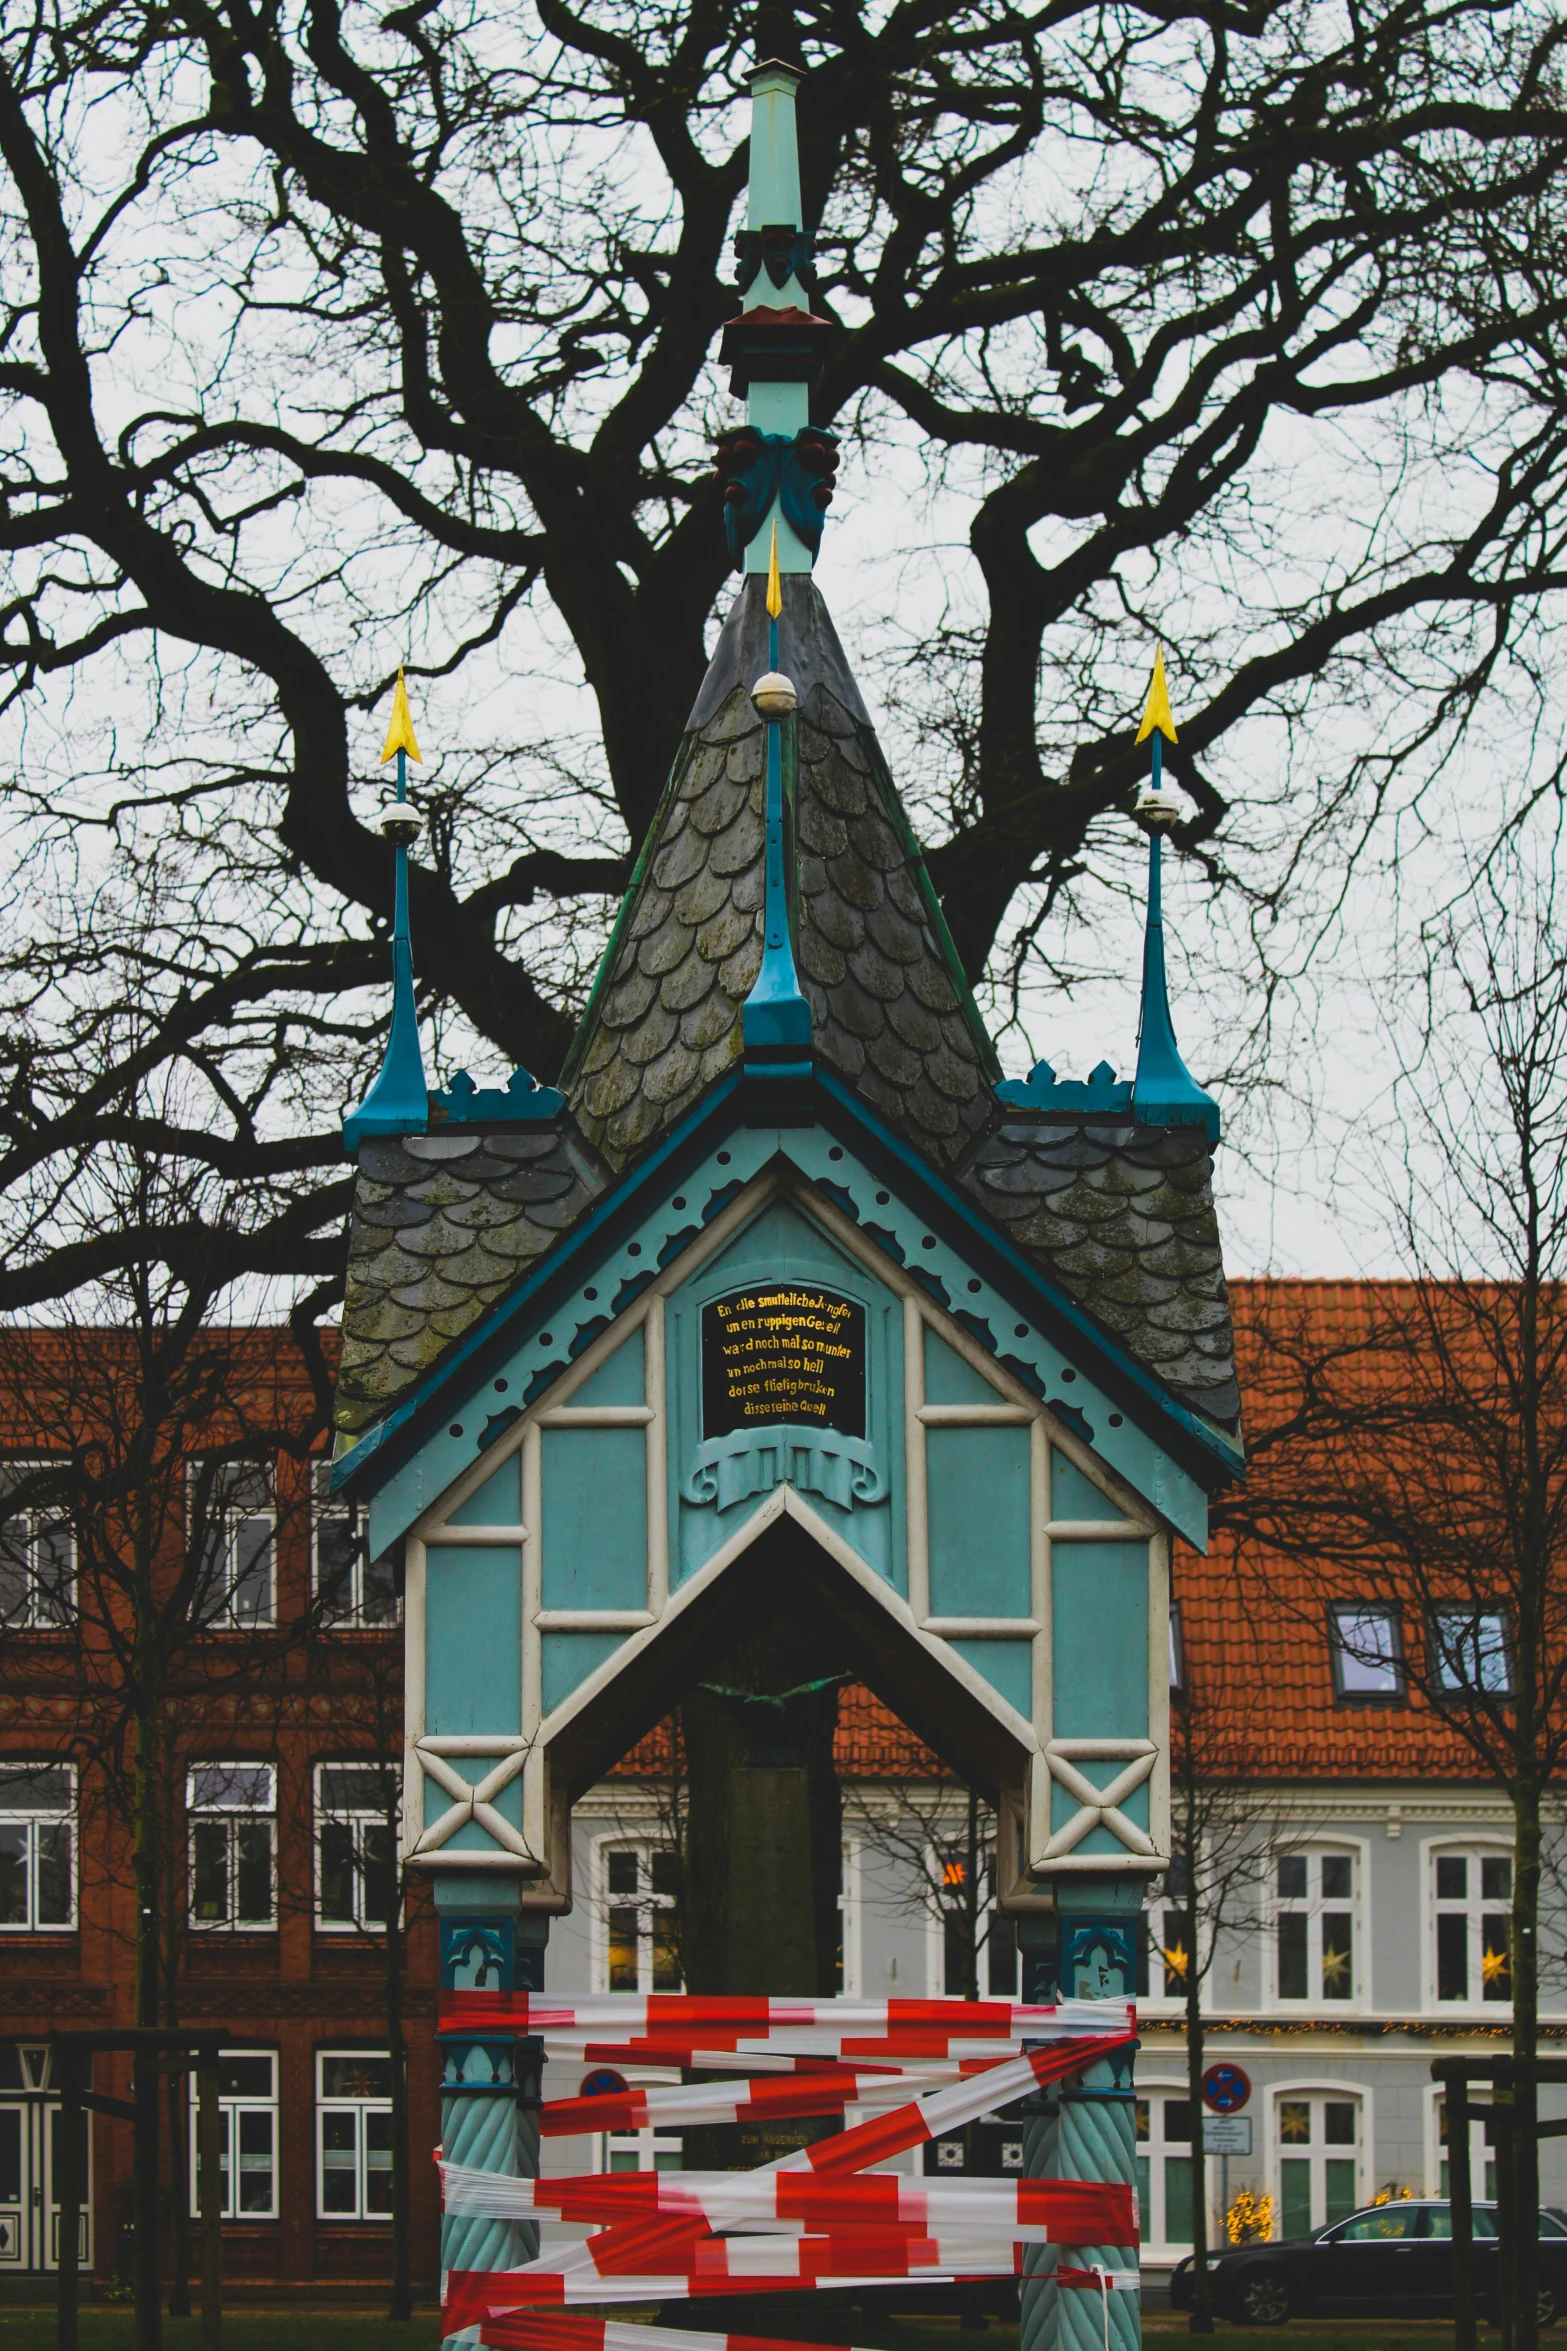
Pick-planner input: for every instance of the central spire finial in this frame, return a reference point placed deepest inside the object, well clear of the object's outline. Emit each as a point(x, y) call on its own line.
point(778, 467)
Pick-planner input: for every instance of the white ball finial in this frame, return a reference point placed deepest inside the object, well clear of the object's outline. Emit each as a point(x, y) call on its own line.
point(774, 694)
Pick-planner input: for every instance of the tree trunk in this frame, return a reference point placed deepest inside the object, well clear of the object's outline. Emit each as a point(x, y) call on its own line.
point(400, 2302)
point(146, 1854)
point(1201, 2319)
point(178, 2083)
point(1524, 1960)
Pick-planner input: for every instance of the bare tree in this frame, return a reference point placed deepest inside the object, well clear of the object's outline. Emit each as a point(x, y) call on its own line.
point(428, 373)
point(357, 1880)
point(1225, 1841)
point(1411, 1455)
point(130, 1543)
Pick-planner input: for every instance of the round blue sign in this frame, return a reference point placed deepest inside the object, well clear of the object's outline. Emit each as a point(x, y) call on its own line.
point(1225, 2089)
point(606, 2083)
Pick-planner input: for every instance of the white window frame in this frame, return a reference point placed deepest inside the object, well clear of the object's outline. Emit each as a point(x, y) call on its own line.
point(357, 1818)
point(33, 1818)
point(649, 2145)
point(39, 1612)
point(1274, 1907)
point(1479, 2153)
point(339, 2103)
point(231, 1811)
point(1154, 2217)
point(1281, 2149)
point(645, 1901)
point(850, 1918)
point(1350, 1652)
point(352, 1616)
point(230, 2109)
point(227, 1518)
point(1476, 1847)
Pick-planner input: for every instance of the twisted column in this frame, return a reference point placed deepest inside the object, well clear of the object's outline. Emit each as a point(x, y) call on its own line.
point(1097, 2140)
point(489, 2087)
point(1096, 2122)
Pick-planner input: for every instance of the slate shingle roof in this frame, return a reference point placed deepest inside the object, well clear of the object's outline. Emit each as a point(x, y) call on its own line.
point(888, 1002)
point(1121, 1217)
point(442, 1227)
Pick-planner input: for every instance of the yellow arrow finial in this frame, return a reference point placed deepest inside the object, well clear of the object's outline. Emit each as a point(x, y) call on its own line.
point(1156, 710)
point(400, 734)
point(774, 583)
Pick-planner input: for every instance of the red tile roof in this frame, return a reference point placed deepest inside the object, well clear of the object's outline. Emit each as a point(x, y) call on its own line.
point(1253, 1615)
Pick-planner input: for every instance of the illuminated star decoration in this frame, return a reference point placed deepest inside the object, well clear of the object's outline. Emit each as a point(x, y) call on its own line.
point(1335, 1968)
point(1175, 1960)
point(1492, 1965)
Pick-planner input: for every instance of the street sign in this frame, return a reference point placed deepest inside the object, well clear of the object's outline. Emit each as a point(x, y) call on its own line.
point(1225, 2088)
point(604, 2083)
point(1226, 2134)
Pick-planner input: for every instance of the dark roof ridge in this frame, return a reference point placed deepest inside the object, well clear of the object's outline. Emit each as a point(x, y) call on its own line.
point(808, 650)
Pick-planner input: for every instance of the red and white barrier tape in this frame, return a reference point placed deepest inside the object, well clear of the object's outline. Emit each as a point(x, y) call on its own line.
point(814, 2218)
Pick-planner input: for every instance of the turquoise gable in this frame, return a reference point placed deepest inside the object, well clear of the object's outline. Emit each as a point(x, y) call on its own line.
point(995, 1536)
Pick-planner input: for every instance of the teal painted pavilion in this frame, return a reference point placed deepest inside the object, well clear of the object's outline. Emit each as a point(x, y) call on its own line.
point(783, 1291)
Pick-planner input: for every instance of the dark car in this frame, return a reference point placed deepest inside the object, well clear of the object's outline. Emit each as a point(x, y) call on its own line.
point(1390, 2261)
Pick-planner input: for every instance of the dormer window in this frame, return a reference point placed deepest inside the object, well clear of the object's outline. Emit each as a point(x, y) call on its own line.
point(1368, 1654)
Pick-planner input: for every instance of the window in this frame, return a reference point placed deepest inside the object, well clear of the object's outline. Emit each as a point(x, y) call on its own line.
point(1314, 1926)
point(353, 1589)
point(1164, 1952)
point(233, 1525)
point(1164, 2166)
point(1318, 2138)
point(1368, 1654)
point(37, 1549)
point(37, 1845)
point(247, 2120)
point(1482, 2156)
point(1472, 1909)
point(231, 1808)
point(994, 1930)
point(353, 2134)
point(356, 1871)
point(1470, 1651)
point(642, 2150)
point(641, 1888)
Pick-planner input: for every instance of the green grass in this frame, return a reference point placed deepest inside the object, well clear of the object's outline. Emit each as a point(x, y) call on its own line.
point(325, 2329)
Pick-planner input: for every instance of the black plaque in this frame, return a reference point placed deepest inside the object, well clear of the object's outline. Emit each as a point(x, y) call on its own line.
point(783, 1351)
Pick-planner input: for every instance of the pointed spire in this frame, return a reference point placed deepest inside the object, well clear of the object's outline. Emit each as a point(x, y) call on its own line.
point(399, 1102)
point(1164, 1092)
point(400, 734)
point(1156, 710)
point(774, 583)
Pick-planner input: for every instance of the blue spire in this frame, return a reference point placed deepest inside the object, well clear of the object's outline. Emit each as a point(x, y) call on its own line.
point(1164, 1092)
point(398, 1103)
point(775, 1014)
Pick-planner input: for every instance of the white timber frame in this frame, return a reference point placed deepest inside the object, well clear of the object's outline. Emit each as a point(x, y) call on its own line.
point(1028, 1844)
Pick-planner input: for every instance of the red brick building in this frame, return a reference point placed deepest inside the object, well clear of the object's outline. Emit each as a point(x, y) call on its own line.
point(284, 1689)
